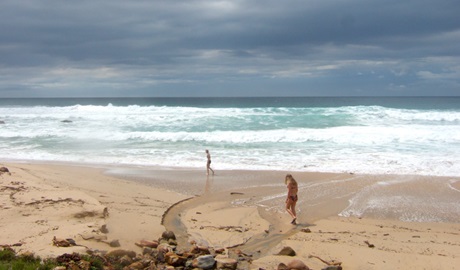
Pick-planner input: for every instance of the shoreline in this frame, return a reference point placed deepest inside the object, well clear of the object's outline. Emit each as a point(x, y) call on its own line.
point(236, 208)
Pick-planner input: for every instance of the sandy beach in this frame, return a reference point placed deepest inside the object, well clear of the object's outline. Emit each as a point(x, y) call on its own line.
point(40, 202)
point(99, 207)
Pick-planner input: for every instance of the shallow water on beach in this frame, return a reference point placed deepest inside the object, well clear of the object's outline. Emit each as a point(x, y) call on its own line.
point(387, 197)
point(399, 197)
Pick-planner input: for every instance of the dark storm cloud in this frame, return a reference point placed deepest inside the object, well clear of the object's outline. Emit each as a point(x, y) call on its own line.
point(67, 48)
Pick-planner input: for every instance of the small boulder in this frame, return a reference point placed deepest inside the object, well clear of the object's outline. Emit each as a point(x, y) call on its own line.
point(4, 170)
point(164, 248)
point(226, 263)
point(282, 266)
point(104, 229)
point(168, 235)
point(287, 251)
point(220, 250)
point(172, 242)
point(145, 243)
point(136, 265)
point(126, 260)
point(332, 267)
point(297, 265)
point(203, 250)
point(114, 243)
point(174, 259)
point(204, 262)
point(120, 253)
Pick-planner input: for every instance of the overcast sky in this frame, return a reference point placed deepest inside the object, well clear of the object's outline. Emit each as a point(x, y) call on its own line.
point(229, 48)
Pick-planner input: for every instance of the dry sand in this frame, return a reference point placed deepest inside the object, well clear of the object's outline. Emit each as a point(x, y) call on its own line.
point(39, 202)
point(238, 209)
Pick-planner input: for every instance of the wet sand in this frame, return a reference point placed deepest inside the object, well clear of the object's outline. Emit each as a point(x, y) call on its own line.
point(411, 198)
point(240, 210)
point(412, 221)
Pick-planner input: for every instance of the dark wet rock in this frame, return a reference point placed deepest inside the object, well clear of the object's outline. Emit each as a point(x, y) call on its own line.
point(369, 244)
point(201, 250)
point(168, 235)
point(161, 257)
point(332, 267)
point(104, 229)
point(114, 243)
point(66, 257)
point(2, 122)
point(71, 241)
point(172, 242)
point(287, 251)
point(66, 121)
point(126, 260)
point(204, 262)
point(219, 250)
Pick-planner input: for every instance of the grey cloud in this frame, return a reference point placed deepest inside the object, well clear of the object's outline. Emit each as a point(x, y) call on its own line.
point(204, 44)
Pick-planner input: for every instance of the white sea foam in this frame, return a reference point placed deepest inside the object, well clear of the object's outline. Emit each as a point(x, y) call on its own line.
point(366, 139)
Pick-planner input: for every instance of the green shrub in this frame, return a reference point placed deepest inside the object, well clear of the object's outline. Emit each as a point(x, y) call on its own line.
point(10, 261)
point(7, 255)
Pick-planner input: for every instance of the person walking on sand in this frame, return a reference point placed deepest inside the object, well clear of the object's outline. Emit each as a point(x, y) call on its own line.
point(291, 199)
point(208, 164)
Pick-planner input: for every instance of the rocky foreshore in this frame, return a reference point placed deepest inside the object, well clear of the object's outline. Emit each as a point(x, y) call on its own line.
point(163, 254)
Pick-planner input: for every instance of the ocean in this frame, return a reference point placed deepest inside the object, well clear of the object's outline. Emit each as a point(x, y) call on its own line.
point(375, 135)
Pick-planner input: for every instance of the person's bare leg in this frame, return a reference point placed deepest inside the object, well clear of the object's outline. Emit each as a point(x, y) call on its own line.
point(293, 210)
point(293, 213)
point(290, 208)
point(209, 169)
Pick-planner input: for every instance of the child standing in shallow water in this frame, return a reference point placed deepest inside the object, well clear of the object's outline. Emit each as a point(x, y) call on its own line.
point(292, 198)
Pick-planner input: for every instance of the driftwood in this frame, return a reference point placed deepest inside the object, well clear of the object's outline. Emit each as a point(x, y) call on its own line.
point(332, 263)
point(369, 244)
point(226, 228)
point(67, 242)
point(62, 242)
point(12, 245)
